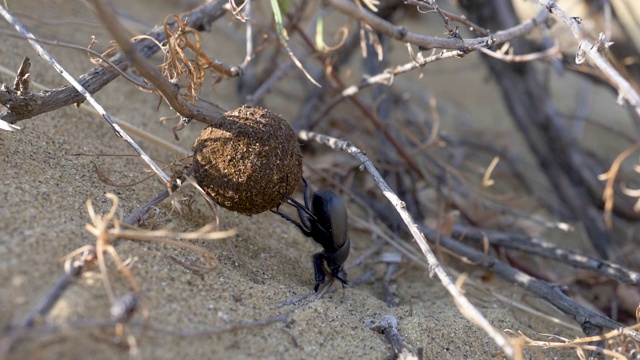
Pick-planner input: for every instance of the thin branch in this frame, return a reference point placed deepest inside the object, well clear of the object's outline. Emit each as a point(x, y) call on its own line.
point(545, 290)
point(45, 55)
point(169, 90)
point(594, 50)
point(26, 107)
point(388, 325)
point(541, 247)
point(421, 4)
point(541, 55)
point(249, 35)
point(466, 308)
point(88, 324)
point(267, 85)
point(81, 48)
point(283, 318)
point(71, 271)
point(138, 214)
point(428, 42)
point(386, 77)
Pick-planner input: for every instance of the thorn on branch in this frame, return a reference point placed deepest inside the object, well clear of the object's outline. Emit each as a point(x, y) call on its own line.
point(602, 44)
point(463, 50)
point(455, 34)
point(550, 4)
point(581, 55)
point(490, 41)
point(402, 32)
point(22, 82)
point(124, 307)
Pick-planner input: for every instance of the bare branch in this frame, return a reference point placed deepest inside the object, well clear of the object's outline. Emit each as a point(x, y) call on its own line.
point(168, 89)
point(594, 51)
point(421, 4)
point(464, 305)
point(541, 247)
point(428, 42)
point(25, 107)
point(545, 290)
point(388, 325)
point(45, 55)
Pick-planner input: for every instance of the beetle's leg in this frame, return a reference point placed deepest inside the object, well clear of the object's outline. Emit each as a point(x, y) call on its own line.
point(304, 213)
point(318, 267)
point(307, 203)
point(302, 209)
point(341, 275)
point(307, 192)
point(304, 230)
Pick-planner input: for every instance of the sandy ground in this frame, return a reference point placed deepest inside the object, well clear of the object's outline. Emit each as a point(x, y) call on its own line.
point(43, 189)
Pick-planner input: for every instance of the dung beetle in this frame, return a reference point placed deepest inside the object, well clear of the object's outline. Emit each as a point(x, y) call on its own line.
point(325, 221)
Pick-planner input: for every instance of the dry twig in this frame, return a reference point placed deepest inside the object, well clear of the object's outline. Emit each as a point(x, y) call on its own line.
point(466, 308)
point(541, 247)
point(594, 50)
point(588, 319)
point(388, 325)
point(617, 341)
point(169, 90)
point(21, 108)
point(107, 230)
point(428, 42)
point(45, 55)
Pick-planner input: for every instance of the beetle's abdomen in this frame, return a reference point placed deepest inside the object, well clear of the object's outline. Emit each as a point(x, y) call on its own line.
point(331, 213)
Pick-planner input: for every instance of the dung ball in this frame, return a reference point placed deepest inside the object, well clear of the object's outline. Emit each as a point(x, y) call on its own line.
point(249, 161)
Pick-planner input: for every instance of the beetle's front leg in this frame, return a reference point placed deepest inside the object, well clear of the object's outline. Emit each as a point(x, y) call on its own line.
point(341, 275)
point(318, 267)
point(305, 230)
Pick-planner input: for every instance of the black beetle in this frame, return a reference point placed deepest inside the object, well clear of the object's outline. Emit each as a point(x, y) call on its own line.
point(326, 223)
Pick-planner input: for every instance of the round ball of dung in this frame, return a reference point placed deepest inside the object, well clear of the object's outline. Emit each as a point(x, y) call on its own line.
point(249, 161)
